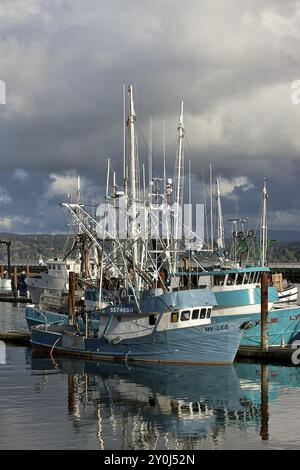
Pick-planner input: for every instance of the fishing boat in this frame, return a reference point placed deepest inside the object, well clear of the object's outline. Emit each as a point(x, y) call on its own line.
point(5, 286)
point(172, 327)
point(80, 259)
point(288, 295)
point(53, 307)
point(283, 320)
point(54, 279)
point(238, 296)
point(236, 285)
point(146, 319)
point(237, 290)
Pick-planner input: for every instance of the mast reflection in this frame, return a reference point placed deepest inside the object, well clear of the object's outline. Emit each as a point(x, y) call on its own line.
point(150, 406)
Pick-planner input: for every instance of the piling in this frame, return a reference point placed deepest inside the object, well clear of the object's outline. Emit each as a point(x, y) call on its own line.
point(71, 303)
point(264, 311)
point(15, 282)
point(1, 272)
point(16, 337)
point(8, 244)
point(71, 394)
point(264, 429)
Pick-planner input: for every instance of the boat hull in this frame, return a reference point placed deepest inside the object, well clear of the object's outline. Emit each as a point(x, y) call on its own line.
point(289, 294)
point(35, 316)
point(283, 326)
point(210, 344)
point(37, 285)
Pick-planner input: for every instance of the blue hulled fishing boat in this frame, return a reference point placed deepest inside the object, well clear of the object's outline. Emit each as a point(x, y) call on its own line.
point(172, 327)
point(238, 296)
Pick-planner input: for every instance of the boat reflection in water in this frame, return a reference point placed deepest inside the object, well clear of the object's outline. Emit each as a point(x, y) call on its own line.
point(150, 407)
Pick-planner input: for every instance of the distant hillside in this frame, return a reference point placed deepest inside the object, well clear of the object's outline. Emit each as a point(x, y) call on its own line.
point(32, 247)
point(285, 236)
point(285, 252)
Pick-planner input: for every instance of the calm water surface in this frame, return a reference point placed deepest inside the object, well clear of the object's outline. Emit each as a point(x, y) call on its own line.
point(68, 404)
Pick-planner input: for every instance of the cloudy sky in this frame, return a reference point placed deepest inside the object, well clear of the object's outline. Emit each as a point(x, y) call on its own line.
point(64, 63)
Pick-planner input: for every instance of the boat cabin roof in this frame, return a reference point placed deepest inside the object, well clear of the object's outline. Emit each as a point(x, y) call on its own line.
point(222, 272)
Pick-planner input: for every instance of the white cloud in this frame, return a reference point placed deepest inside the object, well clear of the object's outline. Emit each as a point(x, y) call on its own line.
point(283, 219)
point(4, 197)
point(62, 185)
point(16, 11)
point(228, 186)
point(20, 174)
point(250, 125)
point(232, 62)
point(10, 223)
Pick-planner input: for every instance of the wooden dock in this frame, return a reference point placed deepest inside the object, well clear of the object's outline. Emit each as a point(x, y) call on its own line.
point(16, 337)
point(17, 299)
point(291, 271)
point(274, 355)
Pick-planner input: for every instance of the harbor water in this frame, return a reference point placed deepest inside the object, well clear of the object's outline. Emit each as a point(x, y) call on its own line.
point(55, 403)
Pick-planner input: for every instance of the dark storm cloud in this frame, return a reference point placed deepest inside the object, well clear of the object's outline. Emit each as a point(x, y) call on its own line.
point(64, 63)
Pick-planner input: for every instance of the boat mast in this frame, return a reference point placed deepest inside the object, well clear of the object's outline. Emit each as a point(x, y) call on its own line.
point(220, 232)
point(78, 195)
point(264, 226)
point(150, 160)
point(143, 260)
point(124, 141)
point(78, 190)
point(205, 210)
point(107, 179)
point(131, 127)
point(178, 182)
point(164, 153)
point(211, 210)
point(190, 181)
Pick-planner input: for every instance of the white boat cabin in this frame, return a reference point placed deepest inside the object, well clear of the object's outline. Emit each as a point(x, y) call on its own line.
point(123, 325)
point(61, 268)
point(220, 278)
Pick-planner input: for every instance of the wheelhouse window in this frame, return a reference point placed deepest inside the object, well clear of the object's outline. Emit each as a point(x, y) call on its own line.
point(208, 313)
point(219, 280)
point(195, 314)
point(230, 279)
point(203, 313)
point(185, 315)
point(174, 317)
point(152, 319)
